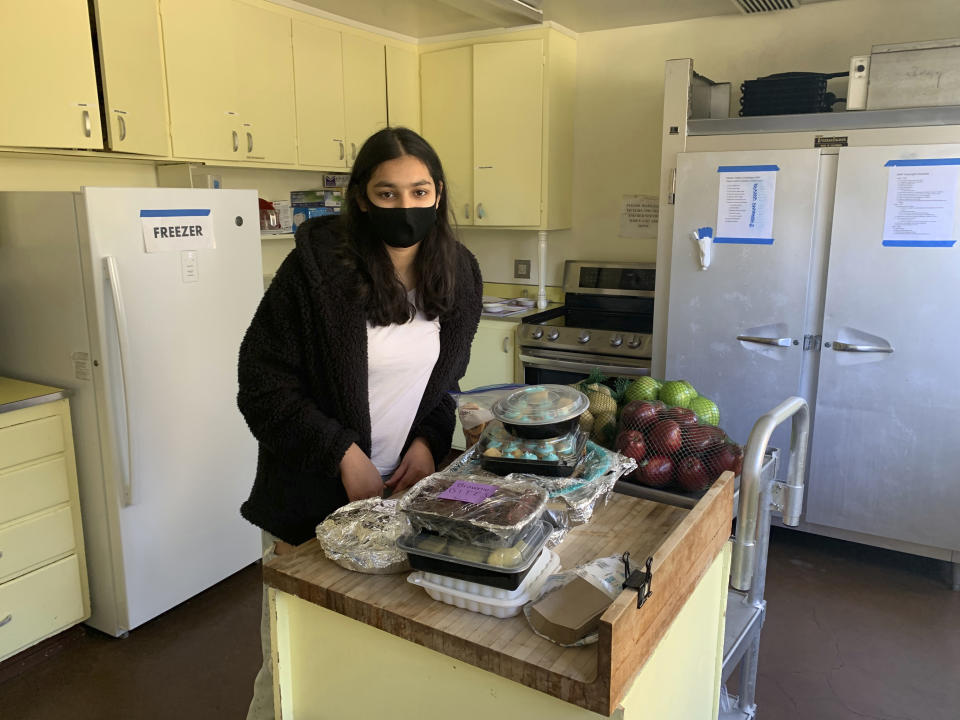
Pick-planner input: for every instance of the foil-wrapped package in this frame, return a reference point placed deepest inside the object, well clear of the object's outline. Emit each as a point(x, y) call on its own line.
point(480, 509)
point(362, 536)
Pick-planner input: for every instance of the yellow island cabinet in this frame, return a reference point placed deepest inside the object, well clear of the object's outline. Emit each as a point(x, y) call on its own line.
point(348, 645)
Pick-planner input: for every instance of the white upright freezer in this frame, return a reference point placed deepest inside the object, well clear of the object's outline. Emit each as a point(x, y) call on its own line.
point(851, 304)
point(136, 300)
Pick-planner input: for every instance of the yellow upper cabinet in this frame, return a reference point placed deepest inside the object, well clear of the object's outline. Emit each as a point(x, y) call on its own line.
point(318, 72)
point(48, 81)
point(198, 43)
point(131, 66)
point(508, 132)
point(516, 97)
point(446, 78)
point(403, 87)
point(364, 91)
point(265, 84)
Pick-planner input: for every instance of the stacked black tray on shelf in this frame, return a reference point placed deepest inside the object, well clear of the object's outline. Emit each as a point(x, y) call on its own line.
point(787, 93)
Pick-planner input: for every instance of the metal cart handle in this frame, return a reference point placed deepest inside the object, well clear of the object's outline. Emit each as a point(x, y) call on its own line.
point(745, 543)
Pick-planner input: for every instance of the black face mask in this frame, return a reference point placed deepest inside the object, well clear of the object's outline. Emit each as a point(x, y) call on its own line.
point(401, 227)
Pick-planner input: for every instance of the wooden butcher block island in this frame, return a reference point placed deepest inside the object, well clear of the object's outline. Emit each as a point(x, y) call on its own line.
point(353, 645)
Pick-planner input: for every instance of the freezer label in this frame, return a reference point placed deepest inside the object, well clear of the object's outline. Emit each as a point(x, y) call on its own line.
point(745, 204)
point(921, 202)
point(177, 230)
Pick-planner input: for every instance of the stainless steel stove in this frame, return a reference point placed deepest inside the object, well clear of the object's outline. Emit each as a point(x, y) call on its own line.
point(605, 323)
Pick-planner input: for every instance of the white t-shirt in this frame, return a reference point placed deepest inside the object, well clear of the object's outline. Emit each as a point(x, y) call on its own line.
point(400, 361)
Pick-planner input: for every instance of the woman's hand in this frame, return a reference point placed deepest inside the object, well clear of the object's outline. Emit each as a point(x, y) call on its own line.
point(359, 476)
point(417, 463)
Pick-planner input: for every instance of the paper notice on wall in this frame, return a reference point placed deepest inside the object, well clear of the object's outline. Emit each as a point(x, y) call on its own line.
point(745, 206)
point(176, 230)
point(921, 202)
point(639, 215)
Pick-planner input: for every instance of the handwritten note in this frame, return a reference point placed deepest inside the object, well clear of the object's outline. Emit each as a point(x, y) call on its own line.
point(469, 492)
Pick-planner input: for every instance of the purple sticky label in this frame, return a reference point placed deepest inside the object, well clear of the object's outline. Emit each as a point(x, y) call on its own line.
point(469, 492)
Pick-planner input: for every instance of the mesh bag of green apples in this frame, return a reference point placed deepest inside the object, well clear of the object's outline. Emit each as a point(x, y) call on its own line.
point(673, 433)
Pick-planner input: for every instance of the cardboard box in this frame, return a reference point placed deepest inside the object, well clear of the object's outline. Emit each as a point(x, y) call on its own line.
point(570, 613)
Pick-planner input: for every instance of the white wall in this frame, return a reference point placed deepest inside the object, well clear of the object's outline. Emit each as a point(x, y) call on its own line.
point(620, 103)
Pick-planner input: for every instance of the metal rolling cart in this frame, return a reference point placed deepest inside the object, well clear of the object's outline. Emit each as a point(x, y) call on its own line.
point(757, 496)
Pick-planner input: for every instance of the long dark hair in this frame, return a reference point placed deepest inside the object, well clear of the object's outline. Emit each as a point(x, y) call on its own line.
point(365, 256)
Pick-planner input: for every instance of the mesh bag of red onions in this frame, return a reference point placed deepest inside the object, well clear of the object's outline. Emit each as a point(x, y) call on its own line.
point(672, 448)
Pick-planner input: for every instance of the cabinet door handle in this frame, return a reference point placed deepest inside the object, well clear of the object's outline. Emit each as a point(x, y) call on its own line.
point(249, 142)
point(847, 347)
point(342, 153)
point(466, 211)
point(123, 127)
point(236, 140)
point(778, 342)
point(87, 128)
point(6, 620)
point(480, 212)
point(506, 345)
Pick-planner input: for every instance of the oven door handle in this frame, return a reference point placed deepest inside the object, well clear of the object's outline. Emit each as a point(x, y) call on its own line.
point(577, 366)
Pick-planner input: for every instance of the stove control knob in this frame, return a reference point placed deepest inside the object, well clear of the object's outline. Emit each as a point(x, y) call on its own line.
point(584, 338)
point(634, 342)
point(536, 333)
point(553, 334)
point(616, 341)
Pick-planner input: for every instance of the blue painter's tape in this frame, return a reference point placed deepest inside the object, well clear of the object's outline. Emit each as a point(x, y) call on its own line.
point(921, 162)
point(744, 241)
point(747, 168)
point(175, 213)
point(917, 243)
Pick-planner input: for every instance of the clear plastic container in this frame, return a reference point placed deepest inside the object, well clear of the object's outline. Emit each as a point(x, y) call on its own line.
point(500, 567)
point(494, 515)
point(503, 453)
point(504, 605)
point(538, 412)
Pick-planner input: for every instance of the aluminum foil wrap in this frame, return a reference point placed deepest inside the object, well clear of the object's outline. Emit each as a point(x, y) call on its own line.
point(571, 500)
point(495, 521)
point(362, 536)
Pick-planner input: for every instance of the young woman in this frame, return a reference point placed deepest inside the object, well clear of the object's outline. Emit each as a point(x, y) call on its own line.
point(345, 369)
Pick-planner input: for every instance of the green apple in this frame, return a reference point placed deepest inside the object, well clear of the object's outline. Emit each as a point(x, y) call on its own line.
point(706, 410)
point(676, 393)
point(643, 388)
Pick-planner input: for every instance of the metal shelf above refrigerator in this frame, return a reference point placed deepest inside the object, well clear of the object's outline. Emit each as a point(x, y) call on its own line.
point(817, 122)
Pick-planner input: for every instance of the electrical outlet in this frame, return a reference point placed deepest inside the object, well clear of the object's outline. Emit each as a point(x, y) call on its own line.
point(521, 269)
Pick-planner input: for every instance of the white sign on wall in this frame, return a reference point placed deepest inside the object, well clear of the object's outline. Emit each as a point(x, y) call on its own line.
point(639, 215)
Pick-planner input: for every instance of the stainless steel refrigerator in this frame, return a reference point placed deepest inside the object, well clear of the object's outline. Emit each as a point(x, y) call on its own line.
point(851, 303)
point(136, 300)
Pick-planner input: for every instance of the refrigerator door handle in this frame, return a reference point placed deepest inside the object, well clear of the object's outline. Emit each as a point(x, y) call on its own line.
point(847, 347)
point(778, 342)
point(114, 277)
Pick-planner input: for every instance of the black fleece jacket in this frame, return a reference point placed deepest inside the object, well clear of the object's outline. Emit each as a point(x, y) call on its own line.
point(303, 382)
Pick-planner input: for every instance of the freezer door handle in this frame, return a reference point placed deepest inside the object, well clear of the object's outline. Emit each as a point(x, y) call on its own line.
point(113, 275)
point(778, 342)
point(847, 347)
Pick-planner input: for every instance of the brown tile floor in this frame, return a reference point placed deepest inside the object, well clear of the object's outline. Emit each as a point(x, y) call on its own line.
point(852, 633)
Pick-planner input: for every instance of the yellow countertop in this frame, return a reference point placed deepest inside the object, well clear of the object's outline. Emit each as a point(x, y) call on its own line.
point(16, 394)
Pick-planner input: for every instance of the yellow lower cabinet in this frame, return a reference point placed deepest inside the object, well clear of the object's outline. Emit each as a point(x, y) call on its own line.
point(26, 441)
point(33, 487)
point(34, 540)
point(38, 604)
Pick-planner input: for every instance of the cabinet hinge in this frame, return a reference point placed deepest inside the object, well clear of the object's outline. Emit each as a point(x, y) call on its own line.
point(812, 342)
